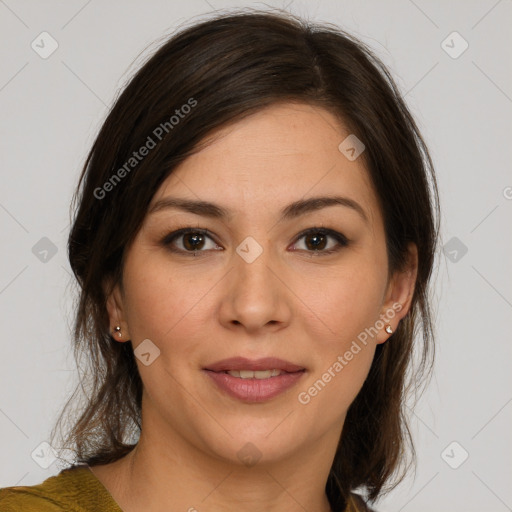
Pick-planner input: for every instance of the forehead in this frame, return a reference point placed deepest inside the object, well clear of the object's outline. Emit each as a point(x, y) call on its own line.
point(282, 153)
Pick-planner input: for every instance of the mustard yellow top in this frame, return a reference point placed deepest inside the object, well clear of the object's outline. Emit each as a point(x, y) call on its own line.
point(74, 489)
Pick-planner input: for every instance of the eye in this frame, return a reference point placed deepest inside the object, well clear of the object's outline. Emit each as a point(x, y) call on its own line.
point(189, 240)
point(195, 240)
point(316, 241)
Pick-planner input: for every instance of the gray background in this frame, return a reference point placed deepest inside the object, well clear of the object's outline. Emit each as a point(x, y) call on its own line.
point(52, 108)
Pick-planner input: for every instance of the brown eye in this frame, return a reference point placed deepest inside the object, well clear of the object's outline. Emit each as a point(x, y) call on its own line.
point(316, 240)
point(193, 241)
point(189, 240)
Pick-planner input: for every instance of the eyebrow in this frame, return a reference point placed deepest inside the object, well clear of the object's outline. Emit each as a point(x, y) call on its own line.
point(292, 211)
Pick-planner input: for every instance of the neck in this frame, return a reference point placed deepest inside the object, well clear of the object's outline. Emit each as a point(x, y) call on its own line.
point(163, 469)
point(217, 486)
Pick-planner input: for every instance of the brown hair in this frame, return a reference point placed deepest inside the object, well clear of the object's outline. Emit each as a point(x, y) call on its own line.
point(227, 68)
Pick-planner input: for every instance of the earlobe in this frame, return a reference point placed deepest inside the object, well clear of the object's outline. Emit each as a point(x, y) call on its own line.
point(118, 326)
point(399, 295)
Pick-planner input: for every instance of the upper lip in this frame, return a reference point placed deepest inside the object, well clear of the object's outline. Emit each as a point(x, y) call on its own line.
point(242, 363)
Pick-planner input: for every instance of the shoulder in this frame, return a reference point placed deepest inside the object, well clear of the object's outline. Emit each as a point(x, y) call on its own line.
point(74, 489)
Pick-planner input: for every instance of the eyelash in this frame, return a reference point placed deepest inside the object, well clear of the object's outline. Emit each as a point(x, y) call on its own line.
point(339, 237)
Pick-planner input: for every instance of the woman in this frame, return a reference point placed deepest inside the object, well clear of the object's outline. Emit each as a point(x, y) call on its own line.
point(254, 236)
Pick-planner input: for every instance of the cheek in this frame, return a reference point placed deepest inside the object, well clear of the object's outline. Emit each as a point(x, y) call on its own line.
point(156, 297)
point(342, 357)
point(349, 300)
point(346, 306)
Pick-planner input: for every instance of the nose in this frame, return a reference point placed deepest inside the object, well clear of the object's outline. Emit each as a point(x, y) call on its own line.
point(257, 297)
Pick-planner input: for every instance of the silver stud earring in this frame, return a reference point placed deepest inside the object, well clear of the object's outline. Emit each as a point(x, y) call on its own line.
point(389, 330)
point(117, 329)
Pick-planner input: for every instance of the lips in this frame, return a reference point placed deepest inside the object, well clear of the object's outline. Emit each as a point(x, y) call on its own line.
point(265, 363)
point(261, 385)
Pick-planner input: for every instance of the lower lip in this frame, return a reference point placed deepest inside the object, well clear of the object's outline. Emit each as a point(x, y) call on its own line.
point(254, 390)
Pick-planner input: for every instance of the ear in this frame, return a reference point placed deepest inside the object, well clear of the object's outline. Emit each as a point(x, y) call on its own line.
point(115, 309)
point(399, 293)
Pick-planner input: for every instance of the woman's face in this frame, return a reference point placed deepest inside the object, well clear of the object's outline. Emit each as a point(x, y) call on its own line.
point(256, 286)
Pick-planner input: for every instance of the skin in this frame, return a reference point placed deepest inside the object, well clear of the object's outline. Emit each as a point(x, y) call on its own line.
point(302, 307)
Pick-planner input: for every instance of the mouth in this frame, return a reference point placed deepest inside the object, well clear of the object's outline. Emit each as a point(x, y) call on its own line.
point(254, 380)
point(258, 374)
point(244, 365)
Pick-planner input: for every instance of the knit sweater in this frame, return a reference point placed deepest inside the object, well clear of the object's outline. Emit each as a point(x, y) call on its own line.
point(77, 489)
